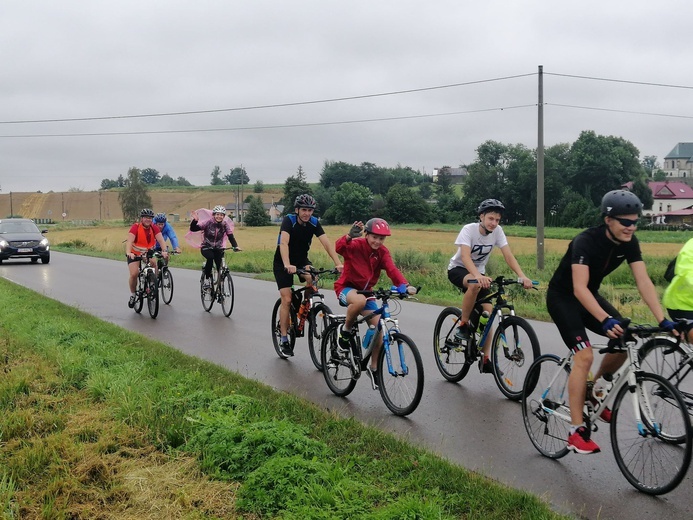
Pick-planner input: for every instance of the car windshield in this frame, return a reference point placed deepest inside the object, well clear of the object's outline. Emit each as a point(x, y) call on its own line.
point(18, 227)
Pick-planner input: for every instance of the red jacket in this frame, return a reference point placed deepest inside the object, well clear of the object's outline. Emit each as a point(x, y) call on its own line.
point(362, 265)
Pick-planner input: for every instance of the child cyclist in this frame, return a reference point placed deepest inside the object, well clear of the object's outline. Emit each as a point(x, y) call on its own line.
point(364, 258)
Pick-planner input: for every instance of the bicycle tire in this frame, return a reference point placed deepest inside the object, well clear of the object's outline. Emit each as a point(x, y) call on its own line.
point(227, 296)
point(166, 284)
point(514, 341)
point(318, 321)
point(451, 359)
point(337, 370)
point(402, 390)
point(276, 331)
point(206, 294)
point(649, 460)
point(139, 294)
point(547, 431)
point(152, 295)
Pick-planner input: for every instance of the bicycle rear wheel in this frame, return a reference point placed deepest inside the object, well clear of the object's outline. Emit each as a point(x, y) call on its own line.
point(276, 331)
point(402, 388)
point(545, 411)
point(206, 294)
point(166, 283)
point(227, 296)
point(451, 357)
point(515, 347)
point(152, 294)
point(318, 321)
point(337, 368)
point(666, 357)
point(645, 451)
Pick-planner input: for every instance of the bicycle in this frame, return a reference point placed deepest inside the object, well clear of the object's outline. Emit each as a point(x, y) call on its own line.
point(400, 369)
point(220, 289)
point(316, 316)
point(513, 348)
point(147, 285)
point(650, 428)
point(165, 278)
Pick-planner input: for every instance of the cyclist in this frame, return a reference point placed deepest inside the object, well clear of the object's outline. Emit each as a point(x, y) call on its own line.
point(214, 233)
point(474, 245)
point(295, 235)
point(167, 232)
point(142, 236)
point(574, 302)
point(364, 258)
point(678, 296)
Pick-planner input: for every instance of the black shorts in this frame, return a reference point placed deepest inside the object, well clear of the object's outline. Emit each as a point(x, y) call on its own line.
point(685, 315)
point(283, 278)
point(456, 276)
point(572, 318)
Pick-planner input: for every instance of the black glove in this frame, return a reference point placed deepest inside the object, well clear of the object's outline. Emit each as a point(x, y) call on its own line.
point(609, 323)
point(667, 325)
point(355, 231)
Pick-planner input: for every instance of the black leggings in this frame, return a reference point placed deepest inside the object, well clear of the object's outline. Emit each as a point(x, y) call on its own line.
point(212, 255)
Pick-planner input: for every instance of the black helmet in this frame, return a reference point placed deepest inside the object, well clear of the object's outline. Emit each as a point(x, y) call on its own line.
point(305, 201)
point(490, 205)
point(146, 212)
point(620, 202)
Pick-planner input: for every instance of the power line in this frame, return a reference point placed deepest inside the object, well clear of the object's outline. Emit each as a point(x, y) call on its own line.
point(275, 105)
point(599, 109)
point(646, 83)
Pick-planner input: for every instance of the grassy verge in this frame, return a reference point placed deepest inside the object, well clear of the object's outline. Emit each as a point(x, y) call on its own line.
point(99, 422)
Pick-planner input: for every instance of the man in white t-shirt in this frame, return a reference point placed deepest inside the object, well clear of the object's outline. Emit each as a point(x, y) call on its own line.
point(475, 243)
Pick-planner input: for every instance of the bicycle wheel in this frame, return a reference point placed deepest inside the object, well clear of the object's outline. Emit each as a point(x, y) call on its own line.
point(451, 358)
point(226, 288)
point(545, 411)
point(152, 294)
point(337, 367)
point(668, 358)
point(318, 322)
point(276, 331)
point(166, 284)
point(514, 348)
point(644, 451)
point(206, 294)
point(401, 388)
point(139, 294)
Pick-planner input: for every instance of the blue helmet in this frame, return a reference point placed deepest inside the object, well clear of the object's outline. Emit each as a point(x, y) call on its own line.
point(160, 218)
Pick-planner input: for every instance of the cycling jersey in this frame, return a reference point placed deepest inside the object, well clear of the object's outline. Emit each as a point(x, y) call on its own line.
point(145, 237)
point(479, 244)
point(169, 234)
point(214, 233)
point(300, 237)
point(679, 294)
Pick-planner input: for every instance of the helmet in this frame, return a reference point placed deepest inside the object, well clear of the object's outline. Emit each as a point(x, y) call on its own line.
point(490, 205)
point(146, 212)
point(378, 226)
point(160, 218)
point(620, 202)
point(305, 201)
point(219, 209)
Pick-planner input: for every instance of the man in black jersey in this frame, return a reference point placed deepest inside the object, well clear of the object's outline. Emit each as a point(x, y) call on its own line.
point(574, 302)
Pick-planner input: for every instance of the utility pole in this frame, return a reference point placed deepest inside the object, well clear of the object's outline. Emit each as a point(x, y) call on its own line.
point(540, 171)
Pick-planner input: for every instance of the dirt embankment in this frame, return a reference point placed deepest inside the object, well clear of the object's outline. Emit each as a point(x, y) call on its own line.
point(104, 205)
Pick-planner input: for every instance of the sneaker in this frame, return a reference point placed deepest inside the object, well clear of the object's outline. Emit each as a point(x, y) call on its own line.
point(374, 377)
point(462, 334)
point(286, 349)
point(131, 301)
point(487, 367)
point(580, 442)
point(344, 339)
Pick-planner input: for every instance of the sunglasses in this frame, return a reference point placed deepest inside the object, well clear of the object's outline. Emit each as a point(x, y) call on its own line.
point(627, 222)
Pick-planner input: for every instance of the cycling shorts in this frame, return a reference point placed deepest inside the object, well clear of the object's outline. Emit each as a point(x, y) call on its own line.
point(456, 276)
point(371, 304)
point(283, 278)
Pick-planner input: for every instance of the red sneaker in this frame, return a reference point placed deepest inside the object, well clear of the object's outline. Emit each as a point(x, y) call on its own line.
point(580, 442)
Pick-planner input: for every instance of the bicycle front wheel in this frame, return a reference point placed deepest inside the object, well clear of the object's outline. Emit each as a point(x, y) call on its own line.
point(515, 347)
point(451, 357)
point(666, 357)
point(166, 282)
point(318, 322)
point(401, 375)
point(337, 367)
point(152, 294)
point(206, 294)
point(643, 449)
point(139, 293)
point(545, 411)
point(276, 330)
point(226, 288)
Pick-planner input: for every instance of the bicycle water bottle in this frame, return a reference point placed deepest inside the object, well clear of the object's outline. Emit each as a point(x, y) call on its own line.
point(602, 386)
point(483, 320)
point(369, 336)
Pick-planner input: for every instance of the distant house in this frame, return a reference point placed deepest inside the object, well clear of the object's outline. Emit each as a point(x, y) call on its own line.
point(678, 164)
point(457, 174)
point(273, 209)
point(672, 202)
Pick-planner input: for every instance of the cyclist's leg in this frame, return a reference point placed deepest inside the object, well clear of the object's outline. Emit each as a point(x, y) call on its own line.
point(284, 283)
point(208, 254)
point(133, 271)
point(218, 257)
point(610, 362)
point(459, 277)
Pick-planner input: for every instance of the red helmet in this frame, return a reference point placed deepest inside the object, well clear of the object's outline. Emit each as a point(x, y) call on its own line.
point(378, 226)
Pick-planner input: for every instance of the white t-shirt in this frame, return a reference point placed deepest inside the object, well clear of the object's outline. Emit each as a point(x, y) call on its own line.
point(480, 245)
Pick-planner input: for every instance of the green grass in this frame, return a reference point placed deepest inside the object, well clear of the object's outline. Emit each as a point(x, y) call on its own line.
point(101, 422)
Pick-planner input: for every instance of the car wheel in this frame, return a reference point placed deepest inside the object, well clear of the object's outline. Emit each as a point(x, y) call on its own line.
point(45, 259)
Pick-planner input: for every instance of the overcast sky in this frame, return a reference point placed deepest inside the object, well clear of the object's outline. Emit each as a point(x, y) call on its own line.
point(470, 69)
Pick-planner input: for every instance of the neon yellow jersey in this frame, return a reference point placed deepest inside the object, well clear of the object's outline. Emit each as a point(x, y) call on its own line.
point(679, 294)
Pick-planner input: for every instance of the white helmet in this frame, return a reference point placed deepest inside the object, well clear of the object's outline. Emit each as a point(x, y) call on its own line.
point(219, 209)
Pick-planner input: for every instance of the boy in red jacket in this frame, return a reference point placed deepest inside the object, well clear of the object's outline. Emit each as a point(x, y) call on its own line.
point(364, 259)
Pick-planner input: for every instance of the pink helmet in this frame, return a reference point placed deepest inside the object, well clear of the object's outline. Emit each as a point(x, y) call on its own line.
point(378, 226)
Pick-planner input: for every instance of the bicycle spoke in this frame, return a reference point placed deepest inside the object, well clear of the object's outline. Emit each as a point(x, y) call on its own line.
point(401, 375)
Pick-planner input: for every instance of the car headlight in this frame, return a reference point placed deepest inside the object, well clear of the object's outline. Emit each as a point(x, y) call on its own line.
point(44, 242)
point(3, 243)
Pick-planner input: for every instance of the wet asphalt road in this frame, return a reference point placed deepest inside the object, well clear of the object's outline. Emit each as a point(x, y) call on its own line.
point(470, 422)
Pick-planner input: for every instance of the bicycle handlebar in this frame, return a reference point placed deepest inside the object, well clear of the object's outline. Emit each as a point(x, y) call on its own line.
point(384, 294)
point(312, 271)
point(502, 280)
point(633, 331)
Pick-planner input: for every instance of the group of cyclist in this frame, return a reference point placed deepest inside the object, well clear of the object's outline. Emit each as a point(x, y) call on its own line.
point(573, 300)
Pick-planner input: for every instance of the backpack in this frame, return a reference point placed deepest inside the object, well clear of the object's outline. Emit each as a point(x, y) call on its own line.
point(669, 273)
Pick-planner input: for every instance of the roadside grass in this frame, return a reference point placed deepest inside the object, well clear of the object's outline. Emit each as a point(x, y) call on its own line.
point(100, 422)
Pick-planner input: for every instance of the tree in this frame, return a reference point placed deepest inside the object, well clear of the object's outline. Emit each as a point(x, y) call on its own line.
point(237, 175)
point(216, 177)
point(134, 197)
point(166, 180)
point(150, 176)
point(425, 190)
point(444, 184)
point(182, 181)
point(405, 205)
point(643, 191)
point(107, 184)
point(351, 202)
point(650, 164)
point(293, 187)
point(256, 215)
point(259, 187)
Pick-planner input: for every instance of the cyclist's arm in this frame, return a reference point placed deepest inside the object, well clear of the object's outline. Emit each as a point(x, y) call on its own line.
point(171, 234)
point(515, 266)
point(331, 252)
point(284, 239)
point(160, 240)
point(647, 290)
point(581, 277)
point(469, 265)
point(128, 245)
point(232, 239)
